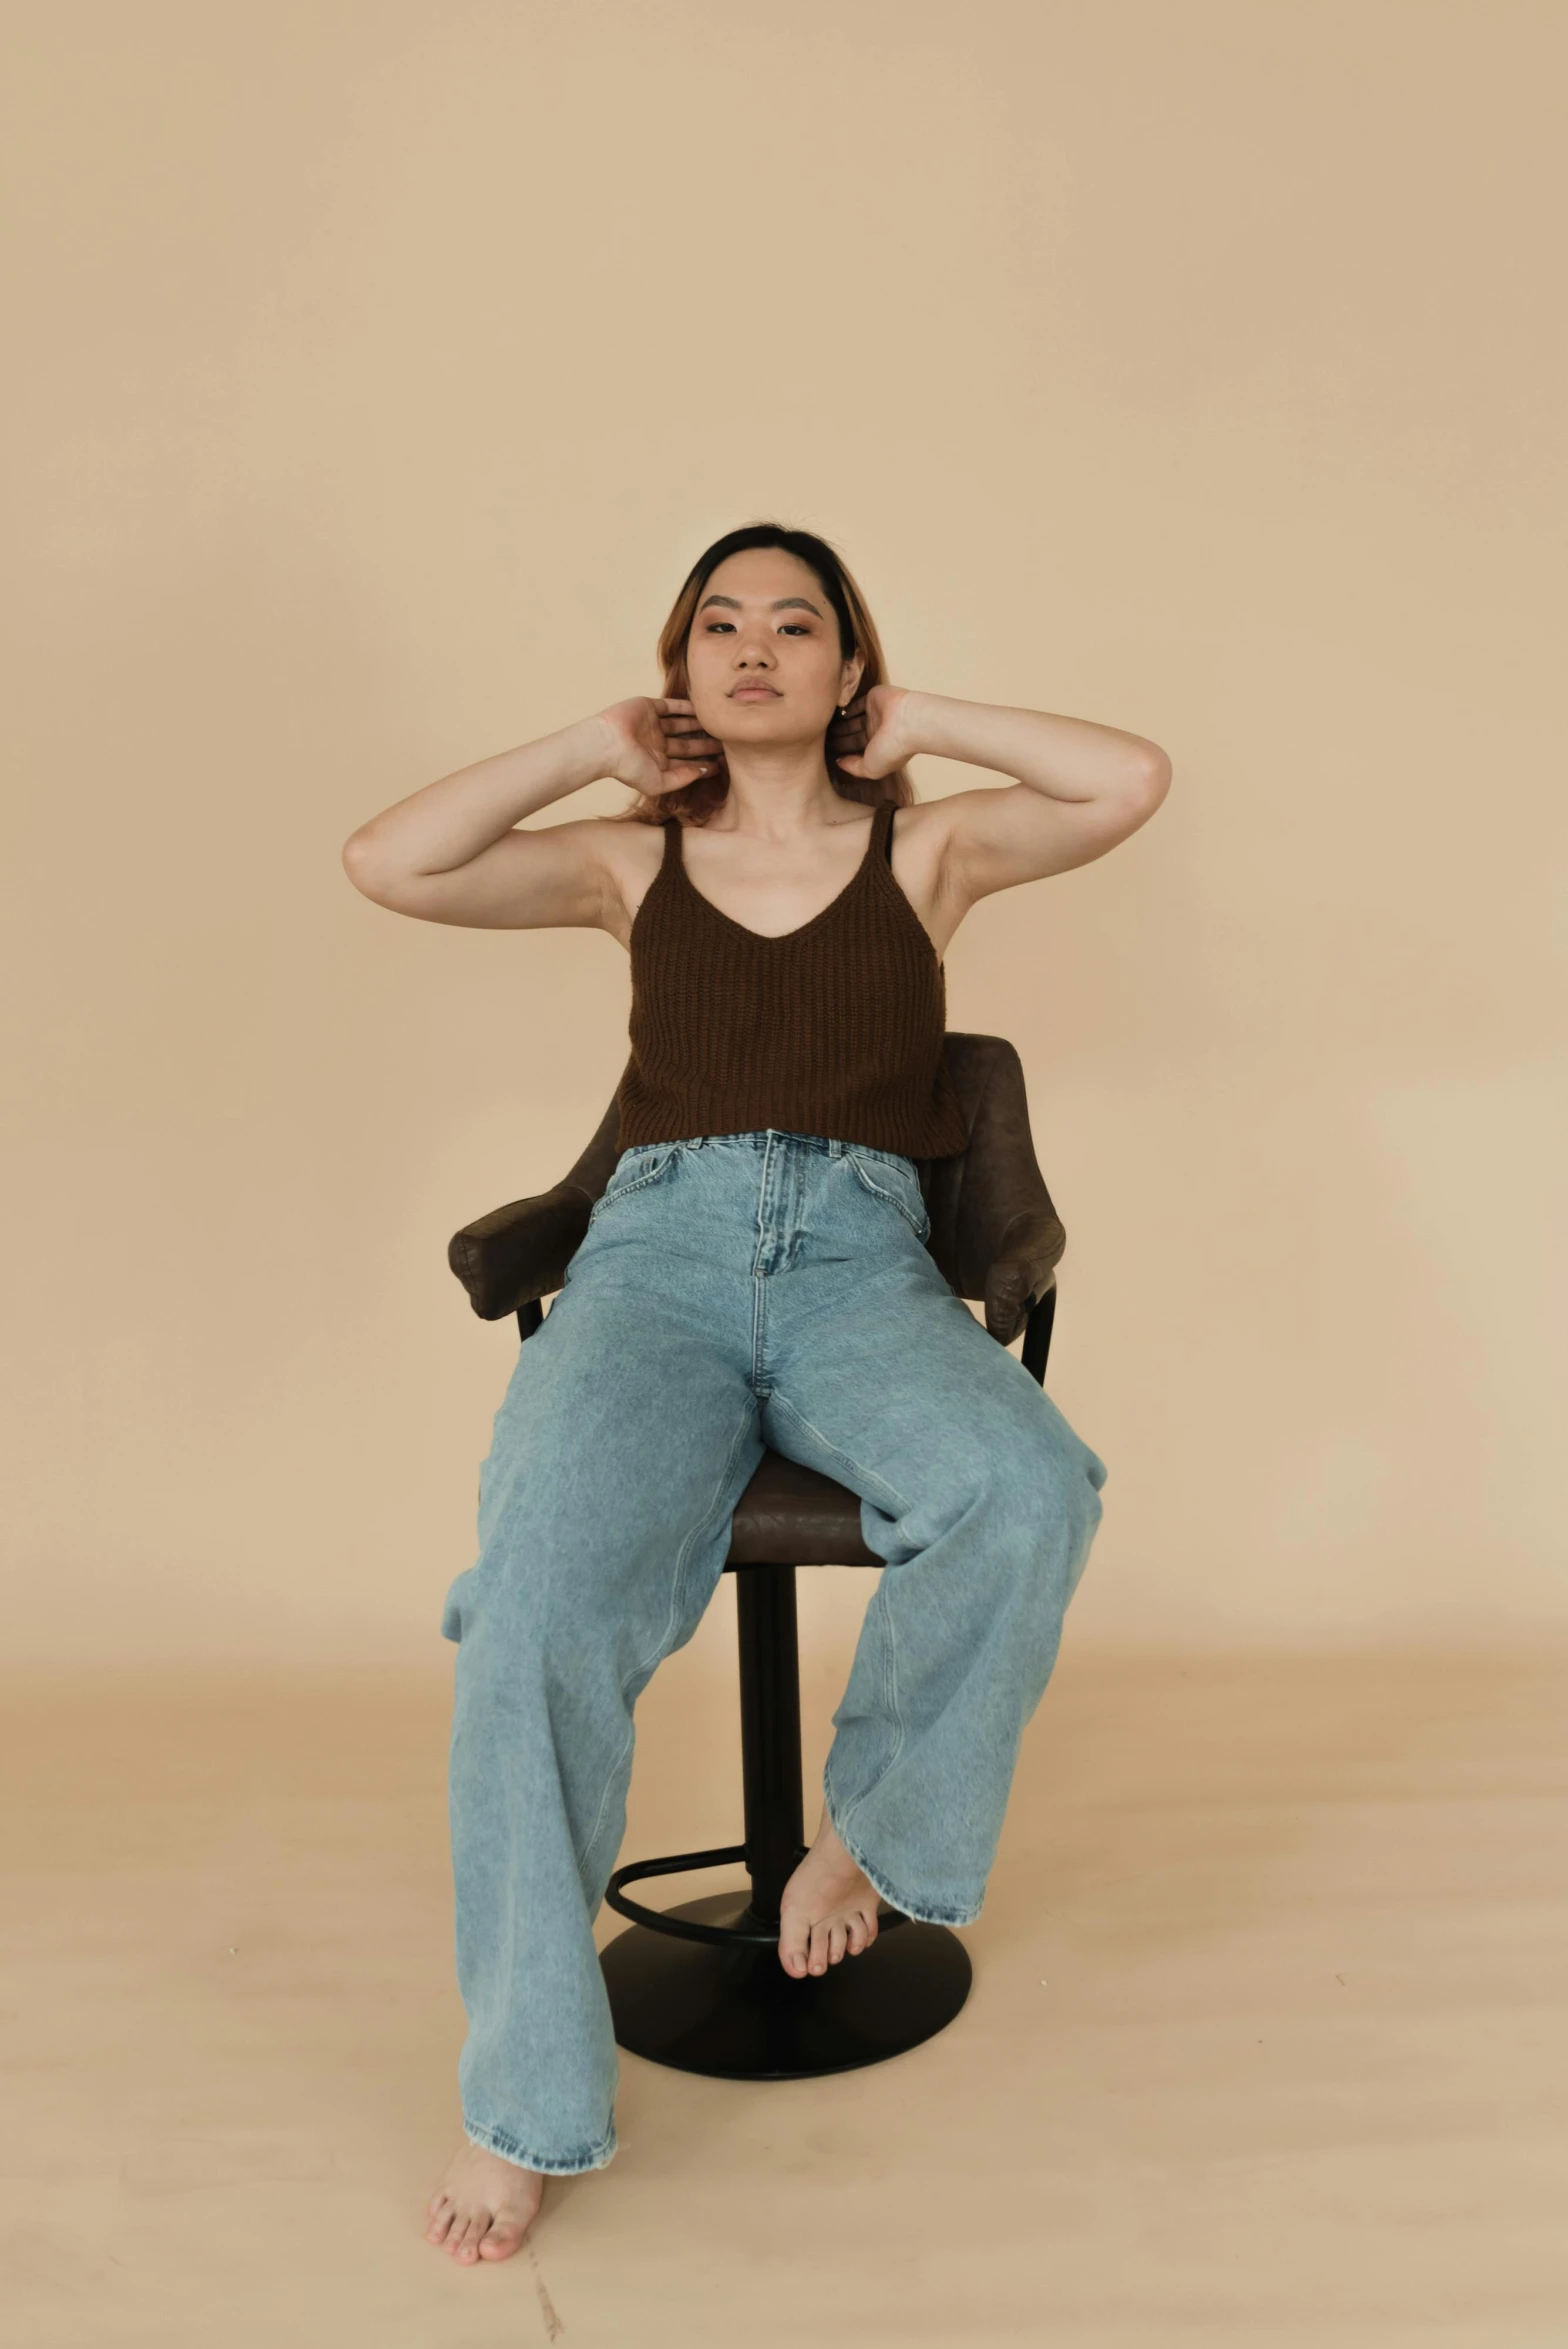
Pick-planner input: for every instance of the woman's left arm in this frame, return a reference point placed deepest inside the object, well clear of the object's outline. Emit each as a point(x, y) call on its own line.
point(1079, 788)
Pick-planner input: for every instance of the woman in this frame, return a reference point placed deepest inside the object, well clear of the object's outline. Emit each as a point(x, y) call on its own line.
point(753, 1275)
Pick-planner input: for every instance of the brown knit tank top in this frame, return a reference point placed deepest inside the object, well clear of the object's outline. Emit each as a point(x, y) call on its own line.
point(835, 1028)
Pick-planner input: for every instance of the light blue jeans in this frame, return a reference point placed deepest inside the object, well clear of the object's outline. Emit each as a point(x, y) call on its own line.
point(732, 1292)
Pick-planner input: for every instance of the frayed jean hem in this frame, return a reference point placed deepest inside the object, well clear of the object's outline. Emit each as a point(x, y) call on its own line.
point(566, 2165)
point(923, 1912)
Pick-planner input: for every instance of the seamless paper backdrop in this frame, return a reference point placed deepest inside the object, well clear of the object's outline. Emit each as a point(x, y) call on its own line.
point(382, 369)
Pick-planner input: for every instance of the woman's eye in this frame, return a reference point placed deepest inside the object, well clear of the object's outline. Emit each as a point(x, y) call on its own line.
point(792, 627)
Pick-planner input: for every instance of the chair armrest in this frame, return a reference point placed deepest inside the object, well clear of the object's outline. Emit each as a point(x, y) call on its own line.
point(520, 1252)
point(1017, 1278)
point(995, 1232)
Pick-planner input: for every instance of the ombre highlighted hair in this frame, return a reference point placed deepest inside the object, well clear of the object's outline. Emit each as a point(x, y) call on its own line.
point(695, 802)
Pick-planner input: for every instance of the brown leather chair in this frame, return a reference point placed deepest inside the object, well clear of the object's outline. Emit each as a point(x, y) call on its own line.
point(699, 1985)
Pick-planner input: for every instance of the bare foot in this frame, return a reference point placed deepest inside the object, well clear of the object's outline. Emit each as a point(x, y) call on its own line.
point(829, 1908)
point(485, 2206)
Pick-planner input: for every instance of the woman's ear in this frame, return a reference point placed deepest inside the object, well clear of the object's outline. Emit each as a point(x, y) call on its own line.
point(848, 691)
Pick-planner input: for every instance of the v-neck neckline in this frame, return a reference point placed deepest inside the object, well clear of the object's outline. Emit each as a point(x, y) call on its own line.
point(802, 929)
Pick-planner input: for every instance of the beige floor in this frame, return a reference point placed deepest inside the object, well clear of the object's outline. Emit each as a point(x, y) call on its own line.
point(1266, 2043)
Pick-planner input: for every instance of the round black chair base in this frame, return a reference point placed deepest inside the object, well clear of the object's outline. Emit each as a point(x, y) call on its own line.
point(736, 2015)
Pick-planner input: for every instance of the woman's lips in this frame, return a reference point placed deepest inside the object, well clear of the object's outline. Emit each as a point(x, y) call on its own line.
point(754, 693)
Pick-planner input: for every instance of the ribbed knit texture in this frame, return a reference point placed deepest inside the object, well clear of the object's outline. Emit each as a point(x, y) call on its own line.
point(834, 1028)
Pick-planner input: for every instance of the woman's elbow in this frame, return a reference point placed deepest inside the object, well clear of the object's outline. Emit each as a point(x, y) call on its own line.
point(1154, 779)
point(365, 863)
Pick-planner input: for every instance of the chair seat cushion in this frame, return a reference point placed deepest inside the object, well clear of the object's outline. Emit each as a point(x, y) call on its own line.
point(790, 1515)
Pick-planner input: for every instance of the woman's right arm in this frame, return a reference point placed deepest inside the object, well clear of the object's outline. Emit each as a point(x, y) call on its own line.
point(451, 852)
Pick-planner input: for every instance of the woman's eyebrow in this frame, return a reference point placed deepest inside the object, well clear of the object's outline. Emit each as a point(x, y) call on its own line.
point(783, 603)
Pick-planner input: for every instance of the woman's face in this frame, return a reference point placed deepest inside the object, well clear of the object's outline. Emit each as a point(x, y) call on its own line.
point(763, 659)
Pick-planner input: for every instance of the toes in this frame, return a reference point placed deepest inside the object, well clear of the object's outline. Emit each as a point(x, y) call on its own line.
point(812, 1948)
point(502, 2240)
point(441, 2216)
point(462, 2243)
point(792, 1948)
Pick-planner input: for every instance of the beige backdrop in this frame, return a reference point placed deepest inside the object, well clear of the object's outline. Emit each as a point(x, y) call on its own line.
point(383, 367)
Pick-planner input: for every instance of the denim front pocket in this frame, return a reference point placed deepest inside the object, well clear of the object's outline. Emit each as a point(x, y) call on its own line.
point(634, 1170)
point(895, 1180)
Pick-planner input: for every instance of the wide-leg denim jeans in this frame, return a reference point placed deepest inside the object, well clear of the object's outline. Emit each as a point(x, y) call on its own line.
point(732, 1292)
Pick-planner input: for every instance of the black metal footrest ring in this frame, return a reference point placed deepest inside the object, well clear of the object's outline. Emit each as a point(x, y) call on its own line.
point(687, 1928)
point(690, 1928)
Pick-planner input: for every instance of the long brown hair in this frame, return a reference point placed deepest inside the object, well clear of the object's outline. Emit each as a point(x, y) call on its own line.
point(695, 802)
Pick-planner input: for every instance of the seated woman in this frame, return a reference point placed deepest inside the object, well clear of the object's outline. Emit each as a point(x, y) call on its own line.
point(753, 1275)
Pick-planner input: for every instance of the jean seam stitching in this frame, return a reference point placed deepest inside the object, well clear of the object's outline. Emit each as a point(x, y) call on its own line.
point(608, 1198)
point(594, 2157)
point(900, 1505)
point(661, 1649)
point(892, 1198)
point(890, 1663)
point(890, 1692)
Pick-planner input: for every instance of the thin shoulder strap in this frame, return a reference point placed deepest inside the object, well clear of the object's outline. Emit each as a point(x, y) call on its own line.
point(887, 837)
